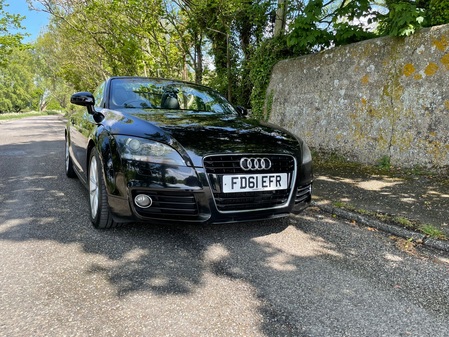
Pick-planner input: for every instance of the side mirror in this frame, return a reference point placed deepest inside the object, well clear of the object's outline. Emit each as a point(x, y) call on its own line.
point(83, 99)
point(86, 99)
point(241, 110)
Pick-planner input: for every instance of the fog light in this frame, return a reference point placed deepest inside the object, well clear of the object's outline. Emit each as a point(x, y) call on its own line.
point(143, 201)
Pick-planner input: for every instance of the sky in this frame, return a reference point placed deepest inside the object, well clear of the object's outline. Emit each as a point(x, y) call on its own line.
point(34, 21)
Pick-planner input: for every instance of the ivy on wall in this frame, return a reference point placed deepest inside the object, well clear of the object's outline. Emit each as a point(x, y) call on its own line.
point(268, 54)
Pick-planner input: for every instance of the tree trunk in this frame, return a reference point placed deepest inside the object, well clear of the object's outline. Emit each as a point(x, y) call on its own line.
point(198, 60)
point(281, 15)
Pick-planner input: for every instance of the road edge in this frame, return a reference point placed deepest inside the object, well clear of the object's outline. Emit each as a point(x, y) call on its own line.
point(385, 227)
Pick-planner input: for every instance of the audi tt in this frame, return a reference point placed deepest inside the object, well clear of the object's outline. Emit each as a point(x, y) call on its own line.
point(165, 151)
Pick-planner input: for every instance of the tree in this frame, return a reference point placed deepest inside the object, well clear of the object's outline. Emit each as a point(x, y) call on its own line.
point(232, 30)
point(121, 37)
point(17, 88)
point(10, 36)
point(192, 34)
point(281, 17)
point(322, 25)
point(49, 77)
point(227, 44)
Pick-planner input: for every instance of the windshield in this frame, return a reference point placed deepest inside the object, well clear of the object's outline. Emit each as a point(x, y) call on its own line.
point(144, 93)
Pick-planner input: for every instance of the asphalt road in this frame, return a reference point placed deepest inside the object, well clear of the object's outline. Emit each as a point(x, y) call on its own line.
point(310, 276)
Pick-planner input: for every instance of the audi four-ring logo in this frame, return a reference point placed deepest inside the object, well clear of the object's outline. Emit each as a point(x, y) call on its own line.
point(255, 164)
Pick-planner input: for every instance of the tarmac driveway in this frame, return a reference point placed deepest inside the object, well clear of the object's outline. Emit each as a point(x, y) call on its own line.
point(312, 275)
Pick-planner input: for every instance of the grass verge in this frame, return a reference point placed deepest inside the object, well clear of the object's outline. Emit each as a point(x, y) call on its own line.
point(19, 115)
point(427, 229)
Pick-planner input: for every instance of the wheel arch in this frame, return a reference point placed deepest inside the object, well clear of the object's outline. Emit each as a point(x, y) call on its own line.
point(102, 144)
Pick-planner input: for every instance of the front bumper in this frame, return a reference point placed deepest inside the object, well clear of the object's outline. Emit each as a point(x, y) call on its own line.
point(193, 195)
point(187, 206)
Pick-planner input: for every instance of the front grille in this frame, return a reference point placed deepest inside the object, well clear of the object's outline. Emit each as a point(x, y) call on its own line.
point(230, 164)
point(169, 205)
point(219, 165)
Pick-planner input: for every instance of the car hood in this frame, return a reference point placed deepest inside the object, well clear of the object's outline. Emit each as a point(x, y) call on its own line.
point(196, 134)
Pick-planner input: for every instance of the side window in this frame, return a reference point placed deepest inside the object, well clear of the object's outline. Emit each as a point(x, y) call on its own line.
point(99, 95)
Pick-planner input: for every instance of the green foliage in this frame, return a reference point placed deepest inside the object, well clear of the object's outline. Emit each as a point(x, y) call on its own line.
point(268, 105)
point(339, 22)
point(353, 21)
point(437, 13)
point(336, 23)
point(384, 163)
point(432, 232)
point(306, 34)
point(403, 19)
point(400, 220)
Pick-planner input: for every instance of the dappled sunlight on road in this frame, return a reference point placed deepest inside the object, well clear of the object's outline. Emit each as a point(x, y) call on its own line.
point(437, 194)
point(378, 185)
point(369, 185)
point(216, 252)
point(292, 243)
point(10, 228)
point(393, 258)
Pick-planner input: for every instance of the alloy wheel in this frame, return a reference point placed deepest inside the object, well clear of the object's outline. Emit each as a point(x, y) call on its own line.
point(94, 190)
point(67, 155)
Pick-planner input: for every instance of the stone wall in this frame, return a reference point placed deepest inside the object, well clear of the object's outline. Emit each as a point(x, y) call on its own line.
point(382, 98)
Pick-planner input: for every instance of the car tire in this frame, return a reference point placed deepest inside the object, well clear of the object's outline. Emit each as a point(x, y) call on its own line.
point(99, 211)
point(69, 171)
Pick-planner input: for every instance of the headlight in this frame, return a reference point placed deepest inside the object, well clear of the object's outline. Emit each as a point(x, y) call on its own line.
point(306, 154)
point(140, 149)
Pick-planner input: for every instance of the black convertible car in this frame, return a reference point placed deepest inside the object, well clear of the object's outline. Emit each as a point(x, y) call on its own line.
point(159, 151)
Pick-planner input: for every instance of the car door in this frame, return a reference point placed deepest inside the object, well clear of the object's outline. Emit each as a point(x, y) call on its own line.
point(82, 125)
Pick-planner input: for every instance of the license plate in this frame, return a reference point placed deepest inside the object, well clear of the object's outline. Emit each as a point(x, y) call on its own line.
point(255, 182)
